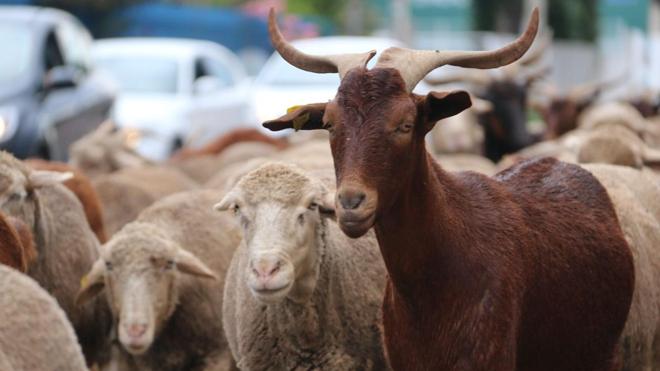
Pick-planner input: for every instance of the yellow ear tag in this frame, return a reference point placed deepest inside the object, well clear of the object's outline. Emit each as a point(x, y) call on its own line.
point(292, 109)
point(300, 121)
point(83, 281)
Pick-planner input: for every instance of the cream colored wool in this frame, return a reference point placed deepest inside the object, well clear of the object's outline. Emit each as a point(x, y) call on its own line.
point(336, 325)
point(66, 247)
point(125, 193)
point(636, 198)
point(187, 308)
point(35, 334)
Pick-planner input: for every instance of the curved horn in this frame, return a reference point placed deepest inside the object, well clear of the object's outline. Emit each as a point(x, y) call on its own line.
point(340, 63)
point(536, 54)
point(415, 64)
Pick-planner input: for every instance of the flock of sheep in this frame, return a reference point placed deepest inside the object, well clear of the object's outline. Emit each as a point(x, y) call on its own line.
point(238, 255)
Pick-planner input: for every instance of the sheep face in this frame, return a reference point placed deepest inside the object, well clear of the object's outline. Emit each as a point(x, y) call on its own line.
point(280, 210)
point(17, 185)
point(141, 274)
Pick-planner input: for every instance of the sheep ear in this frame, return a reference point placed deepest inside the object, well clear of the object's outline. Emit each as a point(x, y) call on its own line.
point(190, 264)
point(92, 283)
point(43, 178)
point(226, 202)
point(327, 205)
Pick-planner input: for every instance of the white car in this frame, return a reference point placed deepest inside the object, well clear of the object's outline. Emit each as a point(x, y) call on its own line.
point(175, 91)
point(280, 86)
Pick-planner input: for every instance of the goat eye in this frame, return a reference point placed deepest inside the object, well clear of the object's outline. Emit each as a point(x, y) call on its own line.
point(404, 128)
point(328, 126)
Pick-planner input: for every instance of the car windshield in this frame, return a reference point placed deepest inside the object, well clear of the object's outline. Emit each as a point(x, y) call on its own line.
point(142, 74)
point(279, 72)
point(17, 45)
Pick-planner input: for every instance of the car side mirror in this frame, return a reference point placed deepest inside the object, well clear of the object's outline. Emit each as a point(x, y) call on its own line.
point(207, 85)
point(61, 77)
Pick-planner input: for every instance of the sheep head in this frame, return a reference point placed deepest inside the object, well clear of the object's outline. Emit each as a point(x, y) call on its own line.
point(376, 124)
point(140, 270)
point(280, 209)
point(18, 184)
point(105, 150)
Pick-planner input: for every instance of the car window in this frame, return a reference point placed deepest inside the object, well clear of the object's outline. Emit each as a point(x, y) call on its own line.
point(142, 74)
point(52, 53)
point(17, 50)
point(75, 42)
point(206, 66)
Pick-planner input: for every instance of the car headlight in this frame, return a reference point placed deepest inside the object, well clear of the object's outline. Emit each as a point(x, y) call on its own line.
point(8, 122)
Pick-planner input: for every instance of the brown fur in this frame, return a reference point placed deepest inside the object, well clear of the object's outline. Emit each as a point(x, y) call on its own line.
point(16, 244)
point(528, 270)
point(82, 187)
point(226, 140)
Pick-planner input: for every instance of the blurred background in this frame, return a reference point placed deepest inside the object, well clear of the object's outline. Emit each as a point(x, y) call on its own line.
point(180, 73)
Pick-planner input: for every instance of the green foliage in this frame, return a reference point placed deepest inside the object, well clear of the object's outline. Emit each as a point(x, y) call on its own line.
point(332, 9)
point(571, 19)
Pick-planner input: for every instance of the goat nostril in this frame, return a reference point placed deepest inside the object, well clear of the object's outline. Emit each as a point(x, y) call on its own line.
point(136, 330)
point(351, 200)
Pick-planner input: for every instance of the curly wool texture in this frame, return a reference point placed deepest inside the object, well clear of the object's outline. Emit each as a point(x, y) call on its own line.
point(636, 199)
point(191, 338)
point(34, 332)
point(338, 328)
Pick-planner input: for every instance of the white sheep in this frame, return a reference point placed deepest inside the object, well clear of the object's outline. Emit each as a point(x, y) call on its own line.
point(635, 195)
point(35, 334)
point(299, 294)
point(163, 278)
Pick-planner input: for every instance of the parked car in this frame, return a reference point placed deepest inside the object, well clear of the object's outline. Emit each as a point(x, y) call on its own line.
point(49, 93)
point(174, 91)
point(280, 85)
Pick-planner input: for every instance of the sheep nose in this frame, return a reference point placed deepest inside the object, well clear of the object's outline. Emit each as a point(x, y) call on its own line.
point(264, 269)
point(136, 330)
point(351, 199)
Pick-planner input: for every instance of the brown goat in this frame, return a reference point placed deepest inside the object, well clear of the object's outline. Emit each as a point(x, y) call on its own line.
point(223, 142)
point(82, 187)
point(528, 270)
point(16, 245)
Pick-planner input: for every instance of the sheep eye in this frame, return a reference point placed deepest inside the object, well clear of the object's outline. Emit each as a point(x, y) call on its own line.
point(236, 210)
point(313, 206)
point(15, 196)
point(108, 266)
point(169, 264)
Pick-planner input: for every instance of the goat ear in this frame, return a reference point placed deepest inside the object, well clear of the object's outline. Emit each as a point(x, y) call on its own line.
point(327, 205)
point(190, 264)
point(307, 117)
point(92, 283)
point(43, 178)
point(437, 106)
